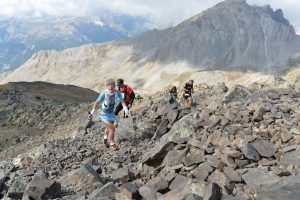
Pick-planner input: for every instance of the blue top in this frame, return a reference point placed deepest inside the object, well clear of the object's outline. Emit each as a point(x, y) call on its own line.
point(109, 101)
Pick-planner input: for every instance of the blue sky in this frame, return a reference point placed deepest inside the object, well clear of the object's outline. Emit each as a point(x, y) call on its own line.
point(163, 13)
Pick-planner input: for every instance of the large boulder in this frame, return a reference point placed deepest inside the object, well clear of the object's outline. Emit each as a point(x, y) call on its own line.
point(155, 156)
point(212, 191)
point(126, 129)
point(264, 148)
point(183, 188)
point(286, 188)
point(121, 175)
point(291, 157)
point(83, 179)
point(183, 128)
point(237, 93)
point(250, 152)
point(16, 190)
point(108, 191)
point(174, 157)
point(254, 178)
point(41, 188)
point(161, 129)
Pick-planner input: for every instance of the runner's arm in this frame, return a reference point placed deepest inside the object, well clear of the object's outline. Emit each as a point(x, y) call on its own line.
point(97, 103)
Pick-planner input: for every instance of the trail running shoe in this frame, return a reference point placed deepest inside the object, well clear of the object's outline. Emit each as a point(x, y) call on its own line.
point(114, 147)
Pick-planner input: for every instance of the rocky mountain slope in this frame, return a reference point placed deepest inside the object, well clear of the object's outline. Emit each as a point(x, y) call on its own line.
point(59, 93)
point(20, 38)
point(240, 143)
point(228, 38)
point(37, 110)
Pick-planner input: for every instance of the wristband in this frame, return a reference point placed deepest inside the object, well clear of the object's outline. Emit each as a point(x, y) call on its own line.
point(93, 111)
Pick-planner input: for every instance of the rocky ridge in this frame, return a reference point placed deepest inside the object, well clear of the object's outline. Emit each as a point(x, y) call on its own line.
point(210, 150)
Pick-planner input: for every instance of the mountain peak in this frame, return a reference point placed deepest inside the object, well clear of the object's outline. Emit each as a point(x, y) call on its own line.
point(230, 35)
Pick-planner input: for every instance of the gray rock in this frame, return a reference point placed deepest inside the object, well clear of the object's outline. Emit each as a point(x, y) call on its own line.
point(254, 178)
point(2, 179)
point(287, 188)
point(85, 178)
point(121, 175)
point(158, 184)
point(24, 173)
point(161, 129)
point(172, 116)
point(250, 152)
point(241, 163)
point(108, 191)
point(155, 156)
point(124, 194)
point(237, 93)
point(16, 190)
point(183, 128)
point(202, 171)
point(147, 127)
point(196, 143)
point(212, 191)
point(193, 159)
point(264, 148)
point(258, 114)
point(126, 129)
point(182, 191)
point(179, 181)
point(174, 157)
point(147, 193)
point(219, 178)
point(193, 197)
point(232, 174)
point(132, 187)
point(286, 136)
point(291, 157)
point(42, 188)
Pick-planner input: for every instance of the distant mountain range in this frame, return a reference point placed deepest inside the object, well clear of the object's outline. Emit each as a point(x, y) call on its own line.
point(20, 38)
point(229, 37)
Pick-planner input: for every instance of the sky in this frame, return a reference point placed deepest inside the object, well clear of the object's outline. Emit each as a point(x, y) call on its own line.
point(163, 13)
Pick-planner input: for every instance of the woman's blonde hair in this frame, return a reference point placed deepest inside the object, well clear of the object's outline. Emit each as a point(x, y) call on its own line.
point(110, 82)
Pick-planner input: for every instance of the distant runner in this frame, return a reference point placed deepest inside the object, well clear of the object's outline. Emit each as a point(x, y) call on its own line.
point(188, 89)
point(173, 94)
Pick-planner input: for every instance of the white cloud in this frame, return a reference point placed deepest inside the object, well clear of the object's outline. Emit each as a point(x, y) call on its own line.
point(162, 12)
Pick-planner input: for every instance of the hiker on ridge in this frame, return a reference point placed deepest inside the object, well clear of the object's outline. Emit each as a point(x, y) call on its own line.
point(188, 89)
point(108, 99)
point(128, 95)
point(173, 94)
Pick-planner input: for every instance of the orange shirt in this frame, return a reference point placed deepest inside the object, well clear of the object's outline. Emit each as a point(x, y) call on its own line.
point(128, 92)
